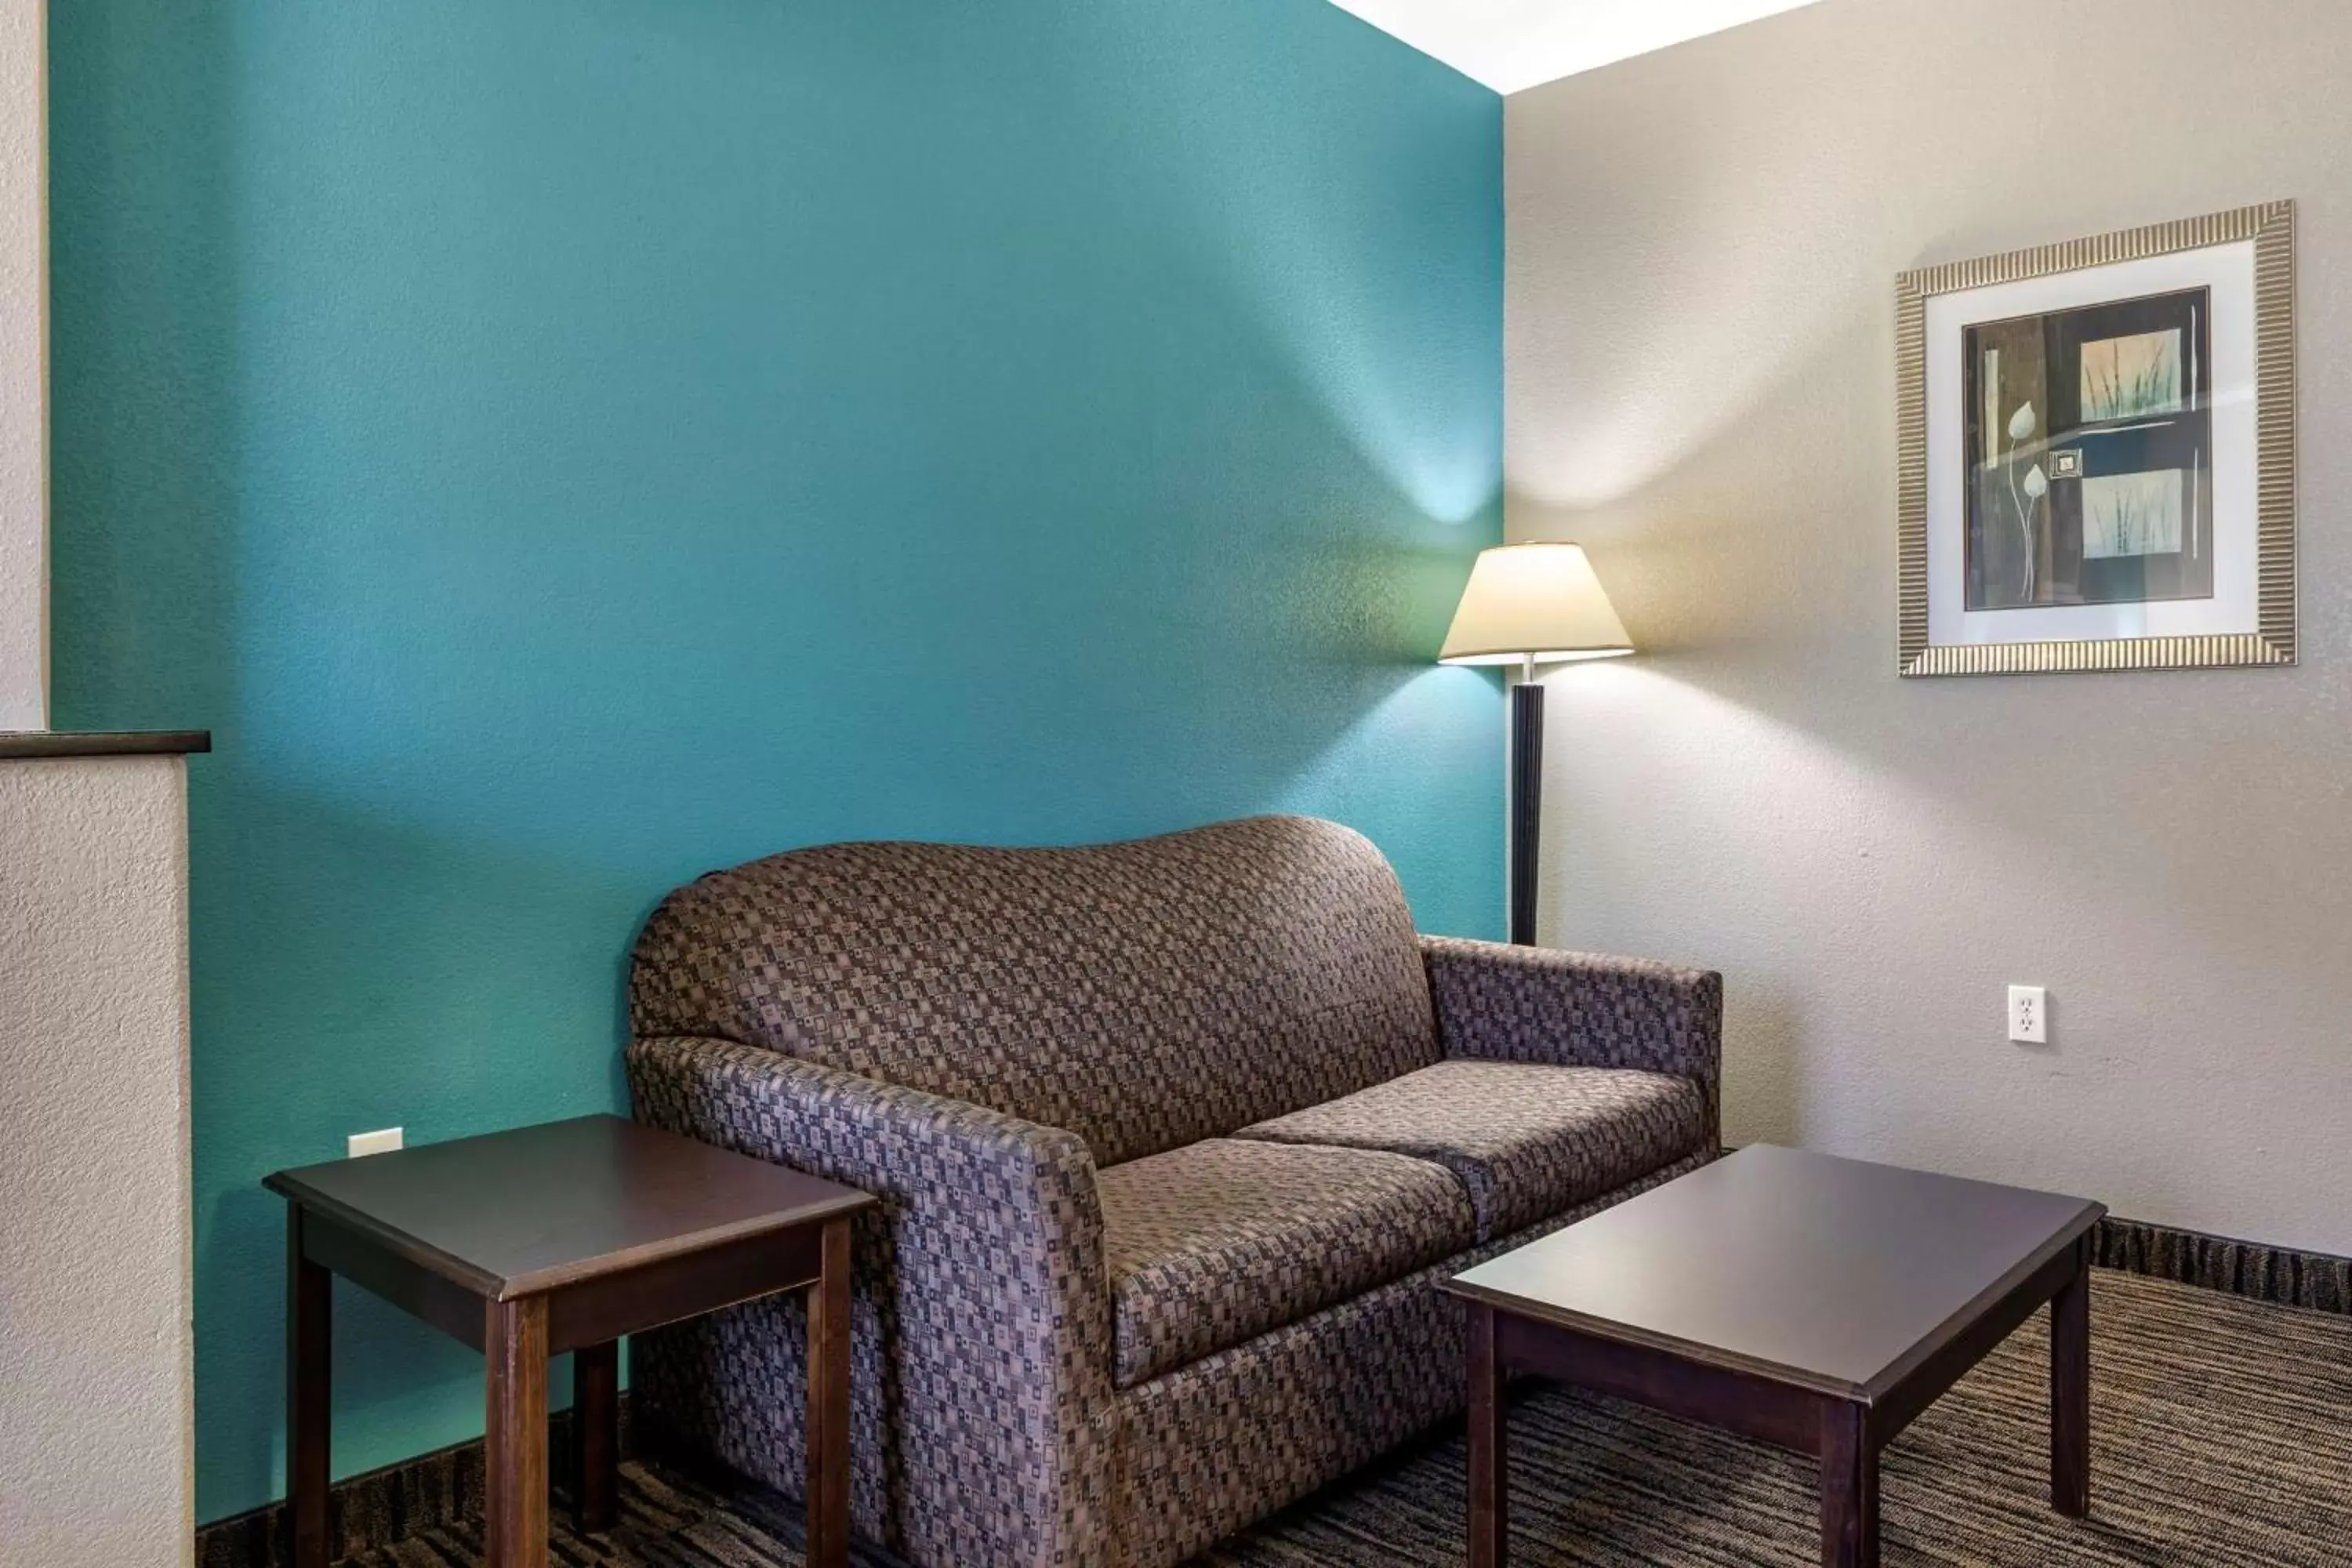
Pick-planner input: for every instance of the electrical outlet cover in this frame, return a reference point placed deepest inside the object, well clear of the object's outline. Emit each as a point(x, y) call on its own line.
point(2029, 1015)
point(365, 1143)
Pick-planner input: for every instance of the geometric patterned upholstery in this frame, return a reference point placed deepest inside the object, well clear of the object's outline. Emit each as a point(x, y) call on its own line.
point(1211, 1447)
point(1220, 1241)
point(1505, 1004)
point(1070, 1348)
point(1230, 973)
point(979, 1324)
point(1526, 1139)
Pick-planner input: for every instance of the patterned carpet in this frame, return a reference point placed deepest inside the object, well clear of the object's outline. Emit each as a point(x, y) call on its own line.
point(2219, 1437)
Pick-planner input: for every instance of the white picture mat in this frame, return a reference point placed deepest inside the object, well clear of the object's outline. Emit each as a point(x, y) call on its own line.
point(2227, 271)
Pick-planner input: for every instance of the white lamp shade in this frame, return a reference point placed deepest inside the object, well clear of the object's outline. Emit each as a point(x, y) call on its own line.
point(1538, 602)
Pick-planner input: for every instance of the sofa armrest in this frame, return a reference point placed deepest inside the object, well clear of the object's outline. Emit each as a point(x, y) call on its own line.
point(990, 1299)
point(1501, 1003)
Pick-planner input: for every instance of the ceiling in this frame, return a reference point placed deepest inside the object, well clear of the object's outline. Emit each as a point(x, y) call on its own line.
point(1512, 43)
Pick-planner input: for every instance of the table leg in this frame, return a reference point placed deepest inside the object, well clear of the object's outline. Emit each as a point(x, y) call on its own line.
point(309, 1300)
point(1849, 1488)
point(2070, 1393)
point(514, 1346)
point(828, 1404)
point(596, 1436)
point(1489, 1513)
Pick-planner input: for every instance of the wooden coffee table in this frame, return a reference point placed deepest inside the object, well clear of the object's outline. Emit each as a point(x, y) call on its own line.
point(1816, 1303)
point(562, 1237)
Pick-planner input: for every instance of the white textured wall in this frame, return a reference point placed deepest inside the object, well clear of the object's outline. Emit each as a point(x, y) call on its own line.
point(95, 1366)
point(24, 372)
point(1700, 347)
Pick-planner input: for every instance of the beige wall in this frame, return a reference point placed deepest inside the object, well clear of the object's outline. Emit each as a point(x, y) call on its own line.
point(1700, 350)
point(95, 1305)
point(96, 1373)
point(94, 1270)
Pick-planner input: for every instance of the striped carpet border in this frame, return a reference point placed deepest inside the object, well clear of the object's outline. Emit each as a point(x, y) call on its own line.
point(442, 1491)
point(2217, 1438)
point(382, 1507)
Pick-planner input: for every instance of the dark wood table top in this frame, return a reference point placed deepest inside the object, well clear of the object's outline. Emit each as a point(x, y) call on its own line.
point(1834, 1274)
point(512, 1214)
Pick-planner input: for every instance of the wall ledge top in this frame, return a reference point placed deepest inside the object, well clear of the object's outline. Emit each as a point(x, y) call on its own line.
point(22, 745)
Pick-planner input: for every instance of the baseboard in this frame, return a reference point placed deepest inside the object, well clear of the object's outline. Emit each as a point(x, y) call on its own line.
point(2290, 1278)
point(381, 1507)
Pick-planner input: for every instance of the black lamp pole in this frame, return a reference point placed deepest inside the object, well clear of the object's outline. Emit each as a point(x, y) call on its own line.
point(1527, 801)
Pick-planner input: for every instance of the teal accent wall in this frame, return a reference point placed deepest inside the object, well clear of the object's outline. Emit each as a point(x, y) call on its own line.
point(560, 447)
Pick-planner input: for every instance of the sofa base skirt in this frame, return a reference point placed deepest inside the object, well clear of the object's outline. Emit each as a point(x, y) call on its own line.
point(1195, 1454)
point(1211, 1448)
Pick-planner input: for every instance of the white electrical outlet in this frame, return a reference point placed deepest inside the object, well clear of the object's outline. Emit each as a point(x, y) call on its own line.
point(2029, 1015)
point(382, 1142)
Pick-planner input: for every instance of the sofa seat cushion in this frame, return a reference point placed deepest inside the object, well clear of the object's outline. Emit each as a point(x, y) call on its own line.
point(1220, 1241)
point(1527, 1138)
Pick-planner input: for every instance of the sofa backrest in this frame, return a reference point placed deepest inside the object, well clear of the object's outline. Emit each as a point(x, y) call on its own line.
point(1143, 995)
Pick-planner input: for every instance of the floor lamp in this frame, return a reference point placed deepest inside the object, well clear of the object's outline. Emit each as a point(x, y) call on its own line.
point(1528, 604)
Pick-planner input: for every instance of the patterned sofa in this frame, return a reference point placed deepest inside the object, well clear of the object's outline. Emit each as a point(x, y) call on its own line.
point(1173, 1137)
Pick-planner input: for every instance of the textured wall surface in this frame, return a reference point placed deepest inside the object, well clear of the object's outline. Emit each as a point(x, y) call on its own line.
point(94, 1281)
point(1701, 385)
point(23, 401)
point(561, 447)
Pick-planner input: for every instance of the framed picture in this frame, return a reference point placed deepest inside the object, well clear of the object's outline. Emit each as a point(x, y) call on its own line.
point(2097, 452)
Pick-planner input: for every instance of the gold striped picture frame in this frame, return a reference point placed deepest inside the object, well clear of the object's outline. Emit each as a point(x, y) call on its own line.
point(2271, 640)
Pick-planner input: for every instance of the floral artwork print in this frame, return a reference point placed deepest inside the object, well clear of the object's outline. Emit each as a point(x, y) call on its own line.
point(2089, 439)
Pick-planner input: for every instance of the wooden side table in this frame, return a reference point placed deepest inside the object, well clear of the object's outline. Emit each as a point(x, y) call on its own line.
point(562, 1237)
